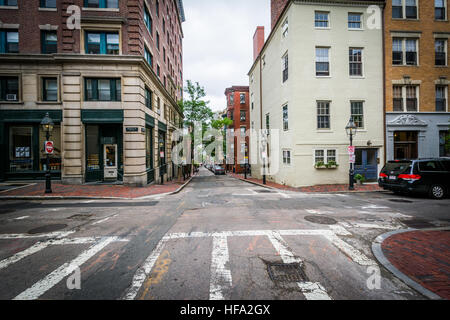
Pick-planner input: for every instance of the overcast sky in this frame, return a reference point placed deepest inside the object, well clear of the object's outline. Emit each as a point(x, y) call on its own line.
point(218, 43)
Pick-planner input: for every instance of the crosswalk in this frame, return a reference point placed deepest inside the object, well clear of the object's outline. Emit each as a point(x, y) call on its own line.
point(285, 247)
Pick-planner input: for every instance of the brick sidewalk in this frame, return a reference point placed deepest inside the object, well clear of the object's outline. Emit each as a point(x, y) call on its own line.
point(318, 189)
point(423, 256)
point(93, 191)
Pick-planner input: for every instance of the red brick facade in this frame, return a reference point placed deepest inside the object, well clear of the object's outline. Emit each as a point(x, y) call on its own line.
point(277, 7)
point(234, 109)
point(134, 33)
point(258, 42)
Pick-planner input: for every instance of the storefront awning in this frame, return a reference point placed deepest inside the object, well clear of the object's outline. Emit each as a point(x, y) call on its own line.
point(29, 116)
point(162, 126)
point(102, 116)
point(149, 121)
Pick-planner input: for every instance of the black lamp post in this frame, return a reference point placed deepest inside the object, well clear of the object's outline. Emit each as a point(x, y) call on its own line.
point(351, 131)
point(47, 125)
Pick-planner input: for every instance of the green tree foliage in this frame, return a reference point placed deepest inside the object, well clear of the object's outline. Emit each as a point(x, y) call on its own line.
point(195, 108)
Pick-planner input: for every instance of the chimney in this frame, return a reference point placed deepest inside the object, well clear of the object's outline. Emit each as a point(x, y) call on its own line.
point(258, 42)
point(277, 7)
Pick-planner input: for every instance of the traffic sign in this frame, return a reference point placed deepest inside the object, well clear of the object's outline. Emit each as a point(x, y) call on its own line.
point(351, 150)
point(49, 148)
point(352, 159)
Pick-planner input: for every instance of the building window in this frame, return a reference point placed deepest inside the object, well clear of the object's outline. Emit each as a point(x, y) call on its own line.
point(148, 98)
point(285, 28)
point(101, 3)
point(444, 143)
point(285, 67)
point(325, 156)
point(231, 99)
point(9, 41)
point(268, 121)
point(49, 42)
point(243, 131)
point(158, 71)
point(440, 46)
point(103, 90)
point(355, 21)
point(49, 89)
point(285, 118)
point(242, 98)
point(252, 99)
point(441, 98)
point(322, 62)
point(7, 3)
point(439, 9)
point(148, 20)
point(9, 89)
point(411, 9)
point(48, 4)
point(102, 42)
point(243, 116)
point(323, 115)
point(157, 40)
point(357, 112)
point(397, 9)
point(405, 98)
point(404, 51)
point(398, 98)
point(148, 57)
point(355, 59)
point(411, 98)
point(287, 157)
point(322, 19)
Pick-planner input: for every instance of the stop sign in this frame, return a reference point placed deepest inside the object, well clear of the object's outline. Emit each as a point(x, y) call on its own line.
point(49, 147)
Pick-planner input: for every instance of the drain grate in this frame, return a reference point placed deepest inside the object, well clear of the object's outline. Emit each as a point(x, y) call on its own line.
point(48, 228)
point(320, 220)
point(286, 272)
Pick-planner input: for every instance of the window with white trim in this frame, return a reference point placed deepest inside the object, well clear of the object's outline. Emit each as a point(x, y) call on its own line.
point(441, 98)
point(323, 115)
point(405, 51)
point(322, 19)
point(285, 28)
point(355, 61)
point(285, 118)
point(440, 50)
point(357, 112)
point(404, 9)
point(405, 98)
point(440, 10)
point(322, 61)
point(325, 156)
point(354, 21)
point(287, 157)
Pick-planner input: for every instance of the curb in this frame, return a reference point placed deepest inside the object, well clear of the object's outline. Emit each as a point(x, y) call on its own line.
point(379, 255)
point(50, 198)
point(323, 192)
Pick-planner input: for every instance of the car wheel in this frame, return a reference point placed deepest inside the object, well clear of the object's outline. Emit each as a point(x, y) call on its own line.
point(437, 192)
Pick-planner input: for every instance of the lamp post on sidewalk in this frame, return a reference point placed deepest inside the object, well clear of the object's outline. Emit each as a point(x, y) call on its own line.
point(351, 131)
point(47, 125)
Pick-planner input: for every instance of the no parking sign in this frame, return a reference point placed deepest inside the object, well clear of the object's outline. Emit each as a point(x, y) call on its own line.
point(49, 148)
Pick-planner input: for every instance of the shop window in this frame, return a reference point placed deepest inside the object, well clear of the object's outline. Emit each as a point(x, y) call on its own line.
point(92, 148)
point(55, 158)
point(20, 149)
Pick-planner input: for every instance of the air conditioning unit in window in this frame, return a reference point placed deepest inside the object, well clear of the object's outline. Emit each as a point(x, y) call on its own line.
point(11, 97)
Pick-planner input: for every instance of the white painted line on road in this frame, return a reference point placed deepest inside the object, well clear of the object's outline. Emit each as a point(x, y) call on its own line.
point(351, 252)
point(31, 236)
point(373, 206)
point(220, 273)
point(282, 248)
point(104, 220)
point(312, 211)
point(313, 291)
point(143, 272)
point(21, 218)
point(42, 286)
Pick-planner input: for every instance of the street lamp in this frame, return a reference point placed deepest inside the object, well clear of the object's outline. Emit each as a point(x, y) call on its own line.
point(351, 129)
point(47, 125)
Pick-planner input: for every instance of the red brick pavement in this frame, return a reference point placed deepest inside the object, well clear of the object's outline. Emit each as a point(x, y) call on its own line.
point(94, 191)
point(321, 188)
point(423, 256)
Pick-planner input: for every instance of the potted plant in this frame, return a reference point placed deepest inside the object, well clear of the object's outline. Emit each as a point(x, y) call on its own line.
point(360, 179)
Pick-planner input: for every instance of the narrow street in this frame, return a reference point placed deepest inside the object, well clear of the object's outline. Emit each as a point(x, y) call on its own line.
point(219, 238)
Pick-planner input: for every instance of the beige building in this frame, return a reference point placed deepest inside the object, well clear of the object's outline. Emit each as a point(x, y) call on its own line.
point(321, 65)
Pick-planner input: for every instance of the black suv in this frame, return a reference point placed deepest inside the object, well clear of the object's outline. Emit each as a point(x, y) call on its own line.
point(427, 176)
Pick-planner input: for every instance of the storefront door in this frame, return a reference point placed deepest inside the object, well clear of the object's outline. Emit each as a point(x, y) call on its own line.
point(110, 162)
point(405, 145)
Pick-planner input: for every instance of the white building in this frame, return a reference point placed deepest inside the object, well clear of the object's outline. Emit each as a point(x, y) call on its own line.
point(321, 65)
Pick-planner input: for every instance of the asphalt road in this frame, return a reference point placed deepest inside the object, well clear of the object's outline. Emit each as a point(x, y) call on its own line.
point(220, 238)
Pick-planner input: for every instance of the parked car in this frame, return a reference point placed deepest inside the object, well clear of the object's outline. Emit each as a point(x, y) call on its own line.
point(218, 170)
point(422, 176)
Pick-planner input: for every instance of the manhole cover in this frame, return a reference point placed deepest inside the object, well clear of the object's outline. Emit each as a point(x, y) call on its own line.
point(264, 191)
point(286, 272)
point(48, 228)
point(418, 224)
point(320, 220)
point(401, 200)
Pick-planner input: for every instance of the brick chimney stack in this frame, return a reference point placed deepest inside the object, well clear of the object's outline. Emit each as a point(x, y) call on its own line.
point(258, 42)
point(277, 7)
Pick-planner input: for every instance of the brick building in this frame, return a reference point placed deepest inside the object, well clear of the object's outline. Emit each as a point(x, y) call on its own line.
point(109, 80)
point(417, 75)
point(238, 111)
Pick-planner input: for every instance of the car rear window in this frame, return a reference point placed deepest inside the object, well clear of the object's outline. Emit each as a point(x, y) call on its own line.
point(446, 164)
point(430, 166)
point(398, 167)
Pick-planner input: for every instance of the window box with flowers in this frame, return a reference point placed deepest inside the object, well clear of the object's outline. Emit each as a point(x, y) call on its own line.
point(325, 159)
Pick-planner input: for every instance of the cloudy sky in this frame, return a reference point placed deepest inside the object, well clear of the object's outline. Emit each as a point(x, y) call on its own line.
point(218, 43)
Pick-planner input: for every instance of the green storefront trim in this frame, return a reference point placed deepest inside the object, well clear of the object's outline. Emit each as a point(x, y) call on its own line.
point(162, 126)
point(149, 121)
point(102, 116)
point(29, 116)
